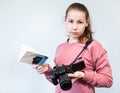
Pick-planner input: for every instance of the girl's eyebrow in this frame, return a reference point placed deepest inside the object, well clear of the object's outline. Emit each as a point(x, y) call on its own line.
point(69, 18)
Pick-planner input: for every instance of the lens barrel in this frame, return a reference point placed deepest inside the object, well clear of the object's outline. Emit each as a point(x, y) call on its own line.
point(65, 82)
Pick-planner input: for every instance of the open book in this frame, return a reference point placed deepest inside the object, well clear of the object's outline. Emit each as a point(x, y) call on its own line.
point(31, 56)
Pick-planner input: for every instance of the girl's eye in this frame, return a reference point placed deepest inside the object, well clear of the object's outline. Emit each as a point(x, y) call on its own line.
point(80, 22)
point(71, 21)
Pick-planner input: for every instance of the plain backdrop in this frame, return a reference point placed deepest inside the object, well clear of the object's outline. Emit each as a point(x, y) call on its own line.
point(40, 25)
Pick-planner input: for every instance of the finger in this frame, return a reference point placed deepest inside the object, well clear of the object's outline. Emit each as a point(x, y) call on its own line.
point(74, 80)
point(39, 67)
point(71, 75)
point(35, 66)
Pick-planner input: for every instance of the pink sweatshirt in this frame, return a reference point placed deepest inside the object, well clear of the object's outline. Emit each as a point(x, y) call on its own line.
point(97, 72)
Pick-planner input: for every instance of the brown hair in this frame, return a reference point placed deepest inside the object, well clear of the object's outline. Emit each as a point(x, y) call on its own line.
point(80, 7)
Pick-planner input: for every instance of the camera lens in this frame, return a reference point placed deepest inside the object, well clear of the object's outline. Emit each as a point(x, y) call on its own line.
point(65, 82)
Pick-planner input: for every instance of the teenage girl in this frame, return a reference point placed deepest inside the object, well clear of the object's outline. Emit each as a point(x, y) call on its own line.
point(97, 72)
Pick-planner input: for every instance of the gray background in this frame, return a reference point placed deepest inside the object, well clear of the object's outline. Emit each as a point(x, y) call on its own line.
point(40, 24)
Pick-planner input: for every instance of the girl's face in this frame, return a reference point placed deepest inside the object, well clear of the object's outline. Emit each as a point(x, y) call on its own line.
point(75, 23)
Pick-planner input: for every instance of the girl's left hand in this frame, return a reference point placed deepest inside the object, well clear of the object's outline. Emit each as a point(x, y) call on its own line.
point(42, 69)
point(76, 75)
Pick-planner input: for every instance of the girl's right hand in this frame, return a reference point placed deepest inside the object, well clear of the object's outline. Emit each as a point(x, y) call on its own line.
point(45, 68)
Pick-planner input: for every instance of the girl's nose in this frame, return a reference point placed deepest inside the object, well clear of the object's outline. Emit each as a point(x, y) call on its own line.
point(74, 26)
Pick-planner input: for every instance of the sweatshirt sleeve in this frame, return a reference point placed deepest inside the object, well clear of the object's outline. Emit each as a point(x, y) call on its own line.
point(101, 76)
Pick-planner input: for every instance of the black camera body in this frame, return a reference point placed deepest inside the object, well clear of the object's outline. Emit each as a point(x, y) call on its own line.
point(60, 73)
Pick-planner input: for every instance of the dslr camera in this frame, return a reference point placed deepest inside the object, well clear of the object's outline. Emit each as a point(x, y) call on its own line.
point(59, 74)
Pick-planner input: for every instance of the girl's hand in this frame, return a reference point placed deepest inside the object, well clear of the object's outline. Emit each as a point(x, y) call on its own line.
point(76, 75)
point(42, 69)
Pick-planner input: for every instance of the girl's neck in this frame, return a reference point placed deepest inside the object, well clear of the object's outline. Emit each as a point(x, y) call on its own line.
point(74, 40)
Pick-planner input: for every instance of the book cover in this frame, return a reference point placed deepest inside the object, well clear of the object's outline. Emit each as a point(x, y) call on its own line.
point(31, 56)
